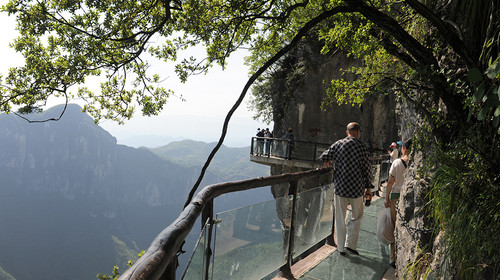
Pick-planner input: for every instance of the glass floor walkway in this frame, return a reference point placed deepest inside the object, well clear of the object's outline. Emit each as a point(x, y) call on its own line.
point(372, 263)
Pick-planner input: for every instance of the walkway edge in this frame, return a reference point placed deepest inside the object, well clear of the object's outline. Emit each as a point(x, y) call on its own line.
point(303, 266)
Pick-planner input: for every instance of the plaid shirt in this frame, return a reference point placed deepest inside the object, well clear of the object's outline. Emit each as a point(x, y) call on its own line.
point(352, 167)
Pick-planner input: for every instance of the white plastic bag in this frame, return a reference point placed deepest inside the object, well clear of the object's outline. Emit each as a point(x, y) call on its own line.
point(385, 227)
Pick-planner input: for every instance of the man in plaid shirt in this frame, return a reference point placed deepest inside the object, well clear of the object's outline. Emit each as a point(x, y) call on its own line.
point(351, 180)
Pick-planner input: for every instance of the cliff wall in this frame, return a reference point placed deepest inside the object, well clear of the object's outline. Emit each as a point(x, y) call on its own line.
point(304, 114)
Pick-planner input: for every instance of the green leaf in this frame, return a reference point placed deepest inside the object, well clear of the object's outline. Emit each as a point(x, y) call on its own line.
point(493, 71)
point(490, 99)
point(498, 93)
point(496, 121)
point(497, 111)
point(474, 75)
point(483, 113)
point(479, 93)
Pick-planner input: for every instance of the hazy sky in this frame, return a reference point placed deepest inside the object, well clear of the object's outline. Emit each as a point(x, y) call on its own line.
point(208, 99)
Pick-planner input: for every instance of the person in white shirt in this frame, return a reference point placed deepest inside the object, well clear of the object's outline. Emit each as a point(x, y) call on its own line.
point(394, 153)
point(394, 185)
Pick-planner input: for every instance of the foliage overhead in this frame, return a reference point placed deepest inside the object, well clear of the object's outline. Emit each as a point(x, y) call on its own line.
point(407, 47)
point(65, 43)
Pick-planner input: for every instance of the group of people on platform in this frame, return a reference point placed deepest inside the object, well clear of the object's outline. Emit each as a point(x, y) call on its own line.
point(352, 182)
point(264, 143)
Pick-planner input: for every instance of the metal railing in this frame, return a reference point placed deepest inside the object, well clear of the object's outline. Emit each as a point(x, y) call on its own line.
point(301, 150)
point(287, 149)
point(160, 259)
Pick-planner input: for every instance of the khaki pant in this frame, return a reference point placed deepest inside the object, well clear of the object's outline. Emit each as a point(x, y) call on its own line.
point(393, 218)
point(348, 231)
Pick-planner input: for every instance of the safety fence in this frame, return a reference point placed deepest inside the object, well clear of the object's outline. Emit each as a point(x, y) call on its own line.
point(287, 149)
point(277, 231)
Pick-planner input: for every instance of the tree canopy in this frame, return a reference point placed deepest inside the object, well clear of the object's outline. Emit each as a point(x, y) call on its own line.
point(442, 56)
point(66, 42)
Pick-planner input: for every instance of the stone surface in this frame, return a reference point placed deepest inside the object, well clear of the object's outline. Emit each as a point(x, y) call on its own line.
point(304, 113)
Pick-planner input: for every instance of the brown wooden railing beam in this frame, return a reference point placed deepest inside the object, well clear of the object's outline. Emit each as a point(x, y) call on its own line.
point(162, 251)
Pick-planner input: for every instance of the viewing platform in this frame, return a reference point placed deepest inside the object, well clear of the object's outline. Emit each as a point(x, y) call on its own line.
point(303, 155)
point(277, 151)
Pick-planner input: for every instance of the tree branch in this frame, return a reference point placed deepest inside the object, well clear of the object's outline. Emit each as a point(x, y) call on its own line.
point(451, 37)
point(394, 50)
point(421, 54)
point(301, 33)
point(426, 63)
point(46, 120)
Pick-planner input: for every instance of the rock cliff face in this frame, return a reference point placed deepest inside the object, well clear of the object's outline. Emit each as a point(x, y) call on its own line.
point(413, 235)
point(309, 122)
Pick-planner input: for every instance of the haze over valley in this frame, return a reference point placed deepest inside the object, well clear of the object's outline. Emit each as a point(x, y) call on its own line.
point(74, 203)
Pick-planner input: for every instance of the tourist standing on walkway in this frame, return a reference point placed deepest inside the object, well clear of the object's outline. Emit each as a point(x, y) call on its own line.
point(393, 153)
point(351, 181)
point(289, 145)
point(260, 141)
point(268, 141)
point(394, 185)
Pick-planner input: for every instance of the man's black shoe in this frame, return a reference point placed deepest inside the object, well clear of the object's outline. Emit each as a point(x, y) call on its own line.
point(330, 241)
point(342, 254)
point(352, 251)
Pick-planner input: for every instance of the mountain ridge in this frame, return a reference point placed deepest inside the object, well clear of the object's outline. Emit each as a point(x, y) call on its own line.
point(228, 163)
point(74, 203)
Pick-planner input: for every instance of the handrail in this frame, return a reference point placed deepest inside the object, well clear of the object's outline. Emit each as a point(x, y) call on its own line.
point(297, 149)
point(286, 148)
point(159, 261)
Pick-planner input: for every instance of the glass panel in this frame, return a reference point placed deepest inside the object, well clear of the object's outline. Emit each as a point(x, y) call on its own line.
point(250, 241)
point(254, 146)
point(281, 148)
point(267, 146)
point(258, 146)
point(320, 148)
point(276, 148)
point(196, 266)
point(314, 217)
point(301, 151)
point(384, 170)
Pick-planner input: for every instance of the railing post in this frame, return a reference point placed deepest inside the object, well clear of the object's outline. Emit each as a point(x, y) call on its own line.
point(170, 270)
point(286, 270)
point(315, 151)
point(251, 145)
point(330, 239)
point(288, 148)
point(267, 147)
point(208, 213)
